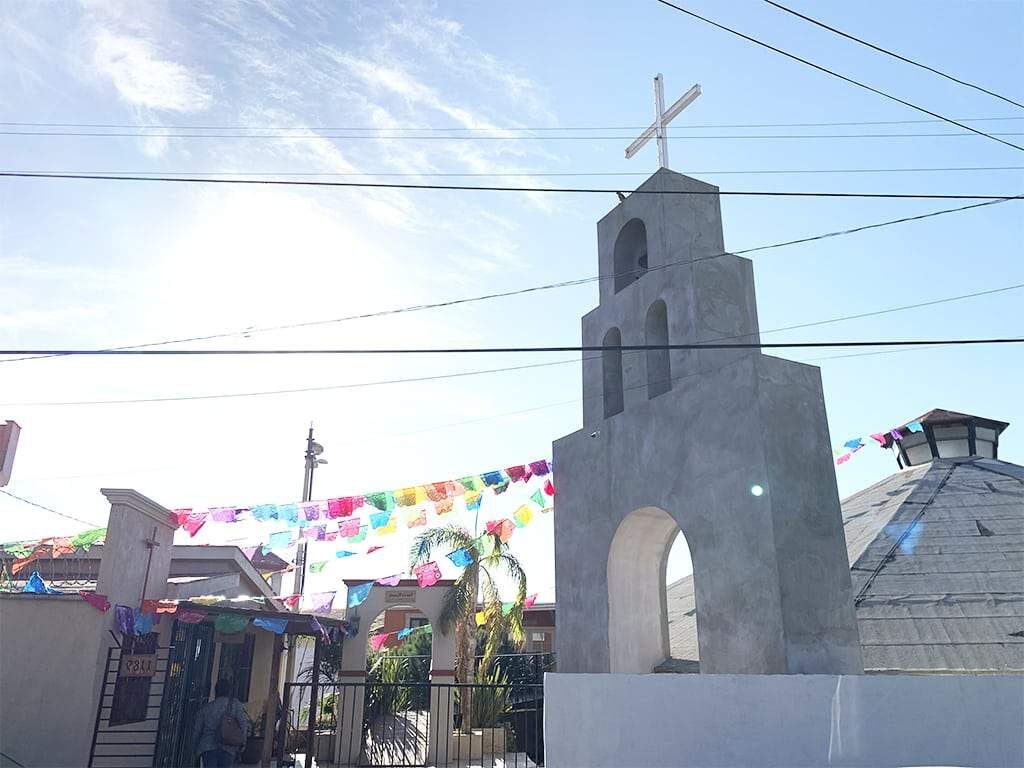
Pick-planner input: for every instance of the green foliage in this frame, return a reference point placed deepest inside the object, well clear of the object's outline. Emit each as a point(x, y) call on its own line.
point(489, 704)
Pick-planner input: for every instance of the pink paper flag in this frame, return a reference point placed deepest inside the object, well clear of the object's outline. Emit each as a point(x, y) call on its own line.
point(377, 641)
point(349, 528)
point(249, 552)
point(190, 617)
point(223, 514)
point(428, 574)
point(195, 521)
point(99, 602)
point(373, 549)
point(291, 601)
point(529, 601)
point(391, 581)
point(844, 458)
point(880, 437)
point(549, 488)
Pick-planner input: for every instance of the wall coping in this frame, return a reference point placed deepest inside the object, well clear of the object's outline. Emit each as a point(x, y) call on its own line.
point(129, 497)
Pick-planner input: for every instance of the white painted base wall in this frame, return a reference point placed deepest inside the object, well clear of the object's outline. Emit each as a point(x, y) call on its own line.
point(787, 721)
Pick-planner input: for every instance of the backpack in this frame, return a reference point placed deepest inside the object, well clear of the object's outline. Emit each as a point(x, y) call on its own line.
point(229, 730)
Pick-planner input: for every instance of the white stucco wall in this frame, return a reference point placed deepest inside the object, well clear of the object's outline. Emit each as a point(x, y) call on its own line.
point(48, 647)
point(783, 720)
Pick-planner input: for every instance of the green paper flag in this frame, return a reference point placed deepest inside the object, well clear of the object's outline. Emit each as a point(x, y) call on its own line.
point(471, 483)
point(230, 623)
point(18, 550)
point(506, 608)
point(484, 545)
point(317, 567)
point(87, 538)
point(359, 536)
point(382, 500)
point(538, 498)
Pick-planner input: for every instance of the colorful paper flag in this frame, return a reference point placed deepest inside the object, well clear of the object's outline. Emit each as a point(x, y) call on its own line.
point(506, 608)
point(481, 618)
point(277, 626)
point(195, 521)
point(390, 581)
point(390, 528)
point(416, 518)
point(470, 483)
point(344, 506)
point(190, 617)
point(880, 437)
point(549, 488)
point(349, 528)
point(382, 500)
point(404, 633)
point(159, 606)
point(318, 566)
point(529, 601)
point(344, 553)
point(224, 514)
point(124, 618)
point(473, 499)
point(895, 434)
point(264, 512)
point(377, 641)
point(523, 516)
point(374, 548)
point(142, 623)
point(380, 519)
point(428, 574)
point(291, 601)
point(539, 468)
point(358, 594)
point(915, 426)
point(405, 497)
point(460, 557)
point(484, 544)
point(538, 498)
point(491, 479)
point(321, 602)
point(854, 444)
point(230, 623)
point(444, 506)
point(311, 510)
point(516, 474)
point(844, 458)
point(360, 536)
point(315, 532)
point(289, 513)
point(99, 602)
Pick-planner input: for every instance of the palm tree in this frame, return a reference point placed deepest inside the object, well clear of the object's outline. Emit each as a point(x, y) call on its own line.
point(490, 557)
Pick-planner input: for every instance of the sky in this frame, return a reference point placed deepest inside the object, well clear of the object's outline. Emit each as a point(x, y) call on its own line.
point(89, 264)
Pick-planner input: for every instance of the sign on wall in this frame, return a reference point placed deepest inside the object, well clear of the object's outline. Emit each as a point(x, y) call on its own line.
point(137, 665)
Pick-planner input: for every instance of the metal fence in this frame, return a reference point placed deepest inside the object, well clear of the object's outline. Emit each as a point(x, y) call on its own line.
point(404, 725)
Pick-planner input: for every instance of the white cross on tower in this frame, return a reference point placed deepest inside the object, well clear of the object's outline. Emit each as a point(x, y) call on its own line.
point(662, 118)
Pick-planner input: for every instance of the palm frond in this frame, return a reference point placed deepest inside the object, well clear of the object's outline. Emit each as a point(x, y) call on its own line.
point(448, 538)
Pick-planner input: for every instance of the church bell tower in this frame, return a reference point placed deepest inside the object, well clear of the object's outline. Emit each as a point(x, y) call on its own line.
point(729, 446)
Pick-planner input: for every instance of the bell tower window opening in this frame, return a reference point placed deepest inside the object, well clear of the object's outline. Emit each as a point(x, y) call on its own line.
point(659, 365)
point(630, 256)
point(611, 368)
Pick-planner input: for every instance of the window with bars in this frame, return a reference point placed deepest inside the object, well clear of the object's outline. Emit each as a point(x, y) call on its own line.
point(236, 665)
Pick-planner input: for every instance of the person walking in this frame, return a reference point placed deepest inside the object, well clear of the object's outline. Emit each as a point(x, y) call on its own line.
point(221, 728)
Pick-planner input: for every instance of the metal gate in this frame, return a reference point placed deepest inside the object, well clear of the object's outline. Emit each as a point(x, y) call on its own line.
point(131, 741)
point(190, 664)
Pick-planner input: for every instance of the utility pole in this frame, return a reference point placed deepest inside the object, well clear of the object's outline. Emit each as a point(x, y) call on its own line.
point(313, 460)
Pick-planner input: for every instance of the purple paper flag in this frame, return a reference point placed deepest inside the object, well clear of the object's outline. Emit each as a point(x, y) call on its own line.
point(124, 619)
point(391, 581)
point(322, 601)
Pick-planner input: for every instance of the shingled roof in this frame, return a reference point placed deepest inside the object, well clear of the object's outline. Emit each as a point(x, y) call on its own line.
point(937, 553)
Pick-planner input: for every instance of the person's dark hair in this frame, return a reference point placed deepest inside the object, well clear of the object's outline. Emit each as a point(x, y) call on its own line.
point(222, 688)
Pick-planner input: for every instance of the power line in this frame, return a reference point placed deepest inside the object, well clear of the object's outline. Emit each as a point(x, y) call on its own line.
point(307, 128)
point(545, 287)
point(462, 374)
point(527, 174)
point(48, 509)
point(494, 188)
point(433, 137)
point(494, 350)
point(894, 55)
point(836, 74)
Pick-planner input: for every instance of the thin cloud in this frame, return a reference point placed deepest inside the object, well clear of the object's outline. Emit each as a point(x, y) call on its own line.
point(144, 79)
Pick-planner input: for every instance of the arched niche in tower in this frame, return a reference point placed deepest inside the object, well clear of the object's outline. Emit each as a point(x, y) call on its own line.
point(630, 261)
point(659, 366)
point(611, 368)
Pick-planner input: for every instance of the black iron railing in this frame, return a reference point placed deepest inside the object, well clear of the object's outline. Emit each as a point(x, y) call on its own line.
point(391, 725)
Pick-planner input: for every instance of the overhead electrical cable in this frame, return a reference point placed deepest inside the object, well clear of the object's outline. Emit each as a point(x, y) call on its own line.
point(48, 509)
point(481, 188)
point(461, 374)
point(531, 174)
point(887, 52)
point(833, 73)
point(489, 129)
point(545, 287)
point(345, 351)
point(434, 137)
